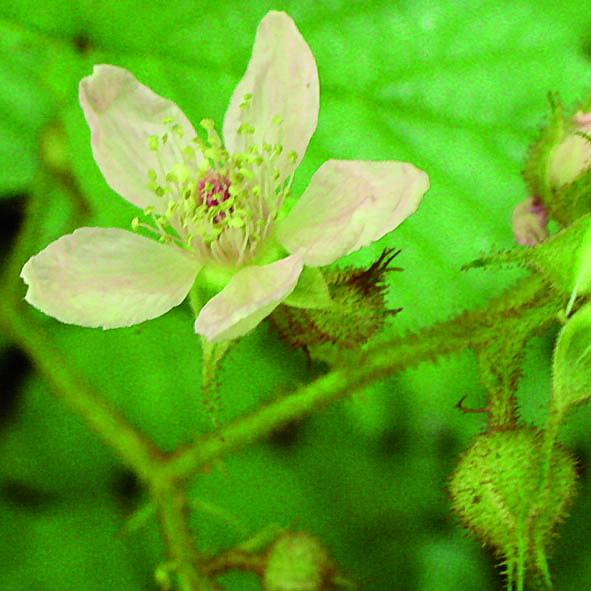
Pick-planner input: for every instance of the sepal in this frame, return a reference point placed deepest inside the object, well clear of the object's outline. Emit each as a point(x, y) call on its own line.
point(311, 291)
point(571, 369)
point(356, 310)
point(536, 164)
point(564, 258)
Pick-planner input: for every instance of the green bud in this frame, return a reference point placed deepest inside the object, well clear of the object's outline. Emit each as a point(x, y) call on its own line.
point(297, 562)
point(573, 154)
point(511, 496)
point(340, 307)
point(558, 165)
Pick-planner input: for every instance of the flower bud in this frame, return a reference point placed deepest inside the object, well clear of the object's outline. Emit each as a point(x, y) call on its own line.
point(573, 155)
point(297, 562)
point(511, 493)
point(529, 222)
point(355, 309)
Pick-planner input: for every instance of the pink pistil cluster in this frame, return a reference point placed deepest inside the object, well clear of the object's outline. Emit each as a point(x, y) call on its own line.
point(213, 189)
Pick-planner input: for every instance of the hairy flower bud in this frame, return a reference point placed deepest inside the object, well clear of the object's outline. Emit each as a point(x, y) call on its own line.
point(529, 222)
point(573, 155)
point(512, 493)
point(557, 167)
point(356, 309)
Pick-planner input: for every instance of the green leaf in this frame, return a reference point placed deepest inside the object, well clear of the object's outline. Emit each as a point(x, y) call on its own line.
point(459, 91)
point(24, 106)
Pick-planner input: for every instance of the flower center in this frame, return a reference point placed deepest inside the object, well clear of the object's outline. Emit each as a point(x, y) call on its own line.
point(221, 207)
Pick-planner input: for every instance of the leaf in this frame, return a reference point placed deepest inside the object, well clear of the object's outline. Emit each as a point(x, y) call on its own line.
point(455, 88)
point(24, 107)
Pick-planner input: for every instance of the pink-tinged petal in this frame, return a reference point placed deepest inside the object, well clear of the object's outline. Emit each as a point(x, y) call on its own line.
point(107, 277)
point(122, 115)
point(283, 80)
point(349, 204)
point(530, 221)
point(251, 295)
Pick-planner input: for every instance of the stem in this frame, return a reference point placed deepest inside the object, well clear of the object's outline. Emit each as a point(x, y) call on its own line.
point(382, 360)
point(171, 506)
point(134, 449)
point(235, 559)
point(167, 474)
point(11, 282)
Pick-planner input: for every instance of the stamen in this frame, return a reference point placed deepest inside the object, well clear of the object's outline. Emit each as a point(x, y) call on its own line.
point(217, 205)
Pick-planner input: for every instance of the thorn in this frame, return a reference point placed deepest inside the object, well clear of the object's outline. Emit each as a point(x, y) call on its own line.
point(460, 406)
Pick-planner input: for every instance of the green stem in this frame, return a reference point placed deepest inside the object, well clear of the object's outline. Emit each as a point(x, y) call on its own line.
point(134, 449)
point(466, 330)
point(166, 475)
point(171, 506)
point(11, 282)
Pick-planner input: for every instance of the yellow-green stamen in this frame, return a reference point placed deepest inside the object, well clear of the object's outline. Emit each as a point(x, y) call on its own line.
point(216, 205)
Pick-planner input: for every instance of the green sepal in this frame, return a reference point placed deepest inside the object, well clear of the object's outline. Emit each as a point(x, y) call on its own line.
point(211, 280)
point(535, 172)
point(564, 258)
point(357, 310)
point(571, 367)
point(573, 200)
point(311, 291)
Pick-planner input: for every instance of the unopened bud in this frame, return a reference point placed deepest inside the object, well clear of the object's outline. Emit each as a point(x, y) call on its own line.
point(355, 310)
point(529, 222)
point(297, 562)
point(512, 492)
point(573, 155)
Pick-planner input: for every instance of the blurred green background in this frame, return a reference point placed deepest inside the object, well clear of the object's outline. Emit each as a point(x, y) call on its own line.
point(458, 88)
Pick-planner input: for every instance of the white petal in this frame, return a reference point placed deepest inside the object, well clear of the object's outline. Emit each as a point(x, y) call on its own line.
point(122, 115)
point(349, 204)
point(251, 295)
point(107, 277)
point(283, 80)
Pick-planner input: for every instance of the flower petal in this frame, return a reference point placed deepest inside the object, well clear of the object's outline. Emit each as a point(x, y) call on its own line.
point(349, 204)
point(107, 277)
point(122, 115)
point(251, 295)
point(283, 80)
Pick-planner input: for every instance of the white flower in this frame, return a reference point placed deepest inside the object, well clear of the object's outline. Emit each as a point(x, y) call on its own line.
point(214, 205)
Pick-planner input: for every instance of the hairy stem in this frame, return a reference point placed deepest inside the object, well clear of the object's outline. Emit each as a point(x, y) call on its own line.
point(469, 329)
